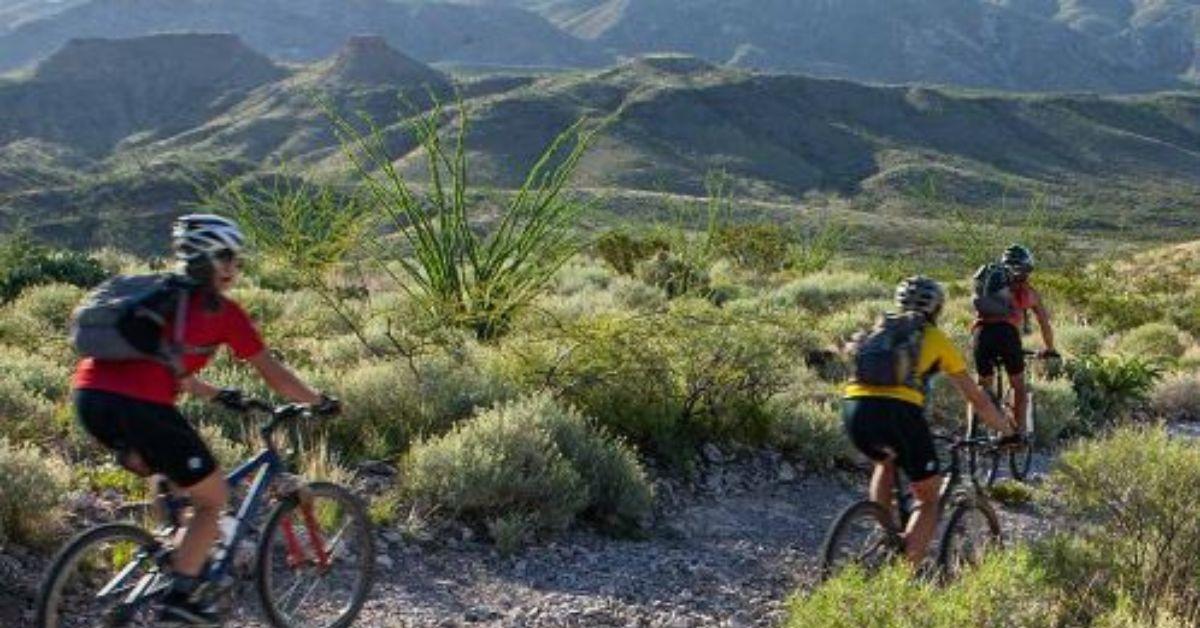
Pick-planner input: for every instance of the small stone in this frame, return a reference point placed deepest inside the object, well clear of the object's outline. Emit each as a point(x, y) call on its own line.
point(377, 467)
point(787, 473)
point(466, 534)
point(712, 454)
point(383, 561)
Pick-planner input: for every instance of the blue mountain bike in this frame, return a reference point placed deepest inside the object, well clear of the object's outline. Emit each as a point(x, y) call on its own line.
point(311, 558)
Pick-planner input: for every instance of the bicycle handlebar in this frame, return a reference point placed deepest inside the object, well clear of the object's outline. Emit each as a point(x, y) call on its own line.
point(281, 413)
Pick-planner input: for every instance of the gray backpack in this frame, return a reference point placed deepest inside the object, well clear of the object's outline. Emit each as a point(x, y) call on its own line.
point(888, 354)
point(993, 296)
point(124, 318)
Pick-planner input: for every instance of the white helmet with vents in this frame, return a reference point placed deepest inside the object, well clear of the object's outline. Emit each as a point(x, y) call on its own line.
point(197, 236)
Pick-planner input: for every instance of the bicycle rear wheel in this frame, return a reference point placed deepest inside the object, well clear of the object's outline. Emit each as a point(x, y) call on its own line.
point(316, 559)
point(104, 577)
point(862, 535)
point(972, 530)
point(984, 465)
point(1020, 459)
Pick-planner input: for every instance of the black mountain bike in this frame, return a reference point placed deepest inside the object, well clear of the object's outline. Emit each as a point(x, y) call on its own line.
point(985, 465)
point(864, 534)
point(312, 560)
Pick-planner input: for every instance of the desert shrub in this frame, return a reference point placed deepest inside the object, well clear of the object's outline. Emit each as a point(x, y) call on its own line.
point(1177, 398)
point(828, 291)
point(1005, 590)
point(677, 276)
point(31, 494)
point(24, 263)
point(1057, 411)
point(841, 325)
point(623, 251)
point(23, 414)
point(761, 247)
point(669, 380)
point(637, 295)
point(34, 373)
point(264, 306)
point(390, 404)
point(1135, 496)
point(1154, 341)
point(810, 431)
point(530, 458)
point(1078, 340)
point(1109, 388)
point(49, 303)
point(228, 452)
point(577, 276)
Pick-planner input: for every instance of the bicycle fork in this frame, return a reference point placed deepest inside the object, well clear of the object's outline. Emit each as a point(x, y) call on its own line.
point(297, 557)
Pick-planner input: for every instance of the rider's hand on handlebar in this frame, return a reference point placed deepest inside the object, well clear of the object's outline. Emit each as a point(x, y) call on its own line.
point(231, 398)
point(327, 406)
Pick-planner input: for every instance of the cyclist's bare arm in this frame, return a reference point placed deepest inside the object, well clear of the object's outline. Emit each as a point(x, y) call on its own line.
point(282, 380)
point(981, 402)
point(1043, 319)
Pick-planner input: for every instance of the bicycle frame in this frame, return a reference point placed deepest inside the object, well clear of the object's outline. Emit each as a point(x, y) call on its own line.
point(952, 476)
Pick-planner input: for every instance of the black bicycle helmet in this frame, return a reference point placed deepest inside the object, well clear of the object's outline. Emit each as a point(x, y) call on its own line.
point(1018, 260)
point(920, 294)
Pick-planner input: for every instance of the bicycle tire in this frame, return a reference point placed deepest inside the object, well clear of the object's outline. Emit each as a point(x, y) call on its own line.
point(50, 592)
point(951, 555)
point(983, 465)
point(365, 556)
point(882, 549)
point(1020, 459)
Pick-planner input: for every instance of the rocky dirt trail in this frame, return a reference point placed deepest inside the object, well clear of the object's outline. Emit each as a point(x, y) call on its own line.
point(726, 550)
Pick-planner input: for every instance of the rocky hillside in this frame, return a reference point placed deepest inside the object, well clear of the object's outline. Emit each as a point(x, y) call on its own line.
point(1095, 45)
point(126, 110)
point(307, 30)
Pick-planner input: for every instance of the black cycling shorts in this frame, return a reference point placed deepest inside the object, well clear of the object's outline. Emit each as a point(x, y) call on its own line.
point(879, 425)
point(998, 343)
point(158, 433)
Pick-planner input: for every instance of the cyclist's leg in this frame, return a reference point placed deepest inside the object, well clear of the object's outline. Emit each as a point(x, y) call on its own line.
point(983, 348)
point(923, 523)
point(917, 456)
point(208, 497)
point(1012, 355)
point(866, 423)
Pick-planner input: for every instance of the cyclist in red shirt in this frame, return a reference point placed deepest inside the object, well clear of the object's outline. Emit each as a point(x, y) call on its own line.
point(129, 406)
point(998, 340)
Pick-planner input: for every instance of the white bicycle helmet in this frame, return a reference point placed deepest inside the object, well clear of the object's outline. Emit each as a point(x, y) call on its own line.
point(920, 294)
point(201, 236)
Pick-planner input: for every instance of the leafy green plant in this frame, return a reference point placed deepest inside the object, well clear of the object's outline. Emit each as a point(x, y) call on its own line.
point(1154, 341)
point(35, 484)
point(25, 263)
point(477, 280)
point(761, 247)
point(623, 250)
point(1109, 388)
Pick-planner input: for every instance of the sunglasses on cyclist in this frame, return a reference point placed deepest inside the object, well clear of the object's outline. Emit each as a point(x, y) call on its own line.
point(227, 256)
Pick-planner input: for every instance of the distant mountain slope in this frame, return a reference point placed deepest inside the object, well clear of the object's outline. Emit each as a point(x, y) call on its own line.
point(312, 29)
point(1094, 45)
point(198, 99)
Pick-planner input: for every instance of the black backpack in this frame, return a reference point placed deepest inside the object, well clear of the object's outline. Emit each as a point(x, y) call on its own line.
point(993, 296)
point(887, 355)
point(124, 318)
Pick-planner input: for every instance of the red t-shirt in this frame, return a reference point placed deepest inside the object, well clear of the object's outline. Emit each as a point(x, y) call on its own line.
point(204, 332)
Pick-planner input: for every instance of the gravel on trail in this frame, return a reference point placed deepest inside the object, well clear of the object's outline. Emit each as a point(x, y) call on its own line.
point(725, 550)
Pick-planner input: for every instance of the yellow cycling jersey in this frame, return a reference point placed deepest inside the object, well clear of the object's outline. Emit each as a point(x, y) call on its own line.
point(938, 355)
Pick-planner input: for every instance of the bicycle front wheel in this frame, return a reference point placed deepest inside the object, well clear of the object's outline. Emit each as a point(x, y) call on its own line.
point(106, 576)
point(972, 530)
point(862, 535)
point(316, 559)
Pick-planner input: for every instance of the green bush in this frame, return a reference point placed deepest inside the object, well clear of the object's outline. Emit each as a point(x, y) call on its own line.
point(1154, 341)
point(23, 414)
point(761, 247)
point(806, 421)
point(674, 275)
point(24, 263)
point(623, 251)
point(36, 374)
point(828, 291)
point(50, 303)
point(1135, 498)
point(35, 484)
point(1006, 590)
point(1079, 341)
point(1177, 398)
point(1057, 411)
point(530, 458)
point(1109, 388)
